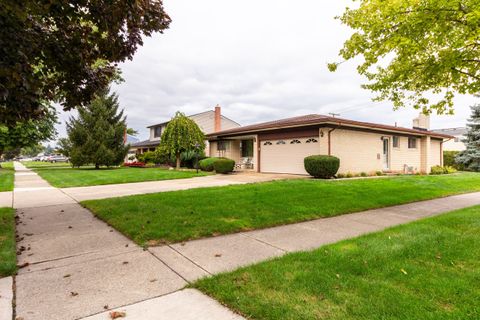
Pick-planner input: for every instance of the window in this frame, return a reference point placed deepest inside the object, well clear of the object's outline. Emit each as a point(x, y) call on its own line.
point(157, 132)
point(311, 140)
point(396, 141)
point(295, 141)
point(412, 143)
point(456, 139)
point(267, 143)
point(247, 148)
point(280, 142)
point(222, 145)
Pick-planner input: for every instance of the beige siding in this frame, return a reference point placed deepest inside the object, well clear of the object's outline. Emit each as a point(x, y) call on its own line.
point(358, 151)
point(435, 149)
point(403, 156)
point(206, 122)
point(232, 150)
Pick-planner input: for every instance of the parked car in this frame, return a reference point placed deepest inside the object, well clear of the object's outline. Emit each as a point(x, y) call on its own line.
point(57, 158)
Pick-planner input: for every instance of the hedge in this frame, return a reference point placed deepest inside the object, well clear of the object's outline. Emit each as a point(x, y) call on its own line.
point(223, 165)
point(321, 166)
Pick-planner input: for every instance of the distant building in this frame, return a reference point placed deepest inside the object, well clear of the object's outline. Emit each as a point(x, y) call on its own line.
point(456, 143)
point(209, 122)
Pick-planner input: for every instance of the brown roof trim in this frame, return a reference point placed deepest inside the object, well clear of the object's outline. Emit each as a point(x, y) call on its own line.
point(192, 115)
point(313, 119)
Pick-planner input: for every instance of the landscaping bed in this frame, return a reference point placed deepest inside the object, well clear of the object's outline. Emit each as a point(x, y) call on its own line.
point(196, 213)
point(7, 174)
point(74, 177)
point(8, 256)
point(428, 269)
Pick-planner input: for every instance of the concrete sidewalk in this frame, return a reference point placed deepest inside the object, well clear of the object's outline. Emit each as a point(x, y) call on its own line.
point(128, 189)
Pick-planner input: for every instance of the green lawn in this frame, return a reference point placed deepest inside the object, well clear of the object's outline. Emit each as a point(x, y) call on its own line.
point(427, 270)
point(8, 256)
point(7, 173)
point(73, 177)
point(42, 164)
point(190, 214)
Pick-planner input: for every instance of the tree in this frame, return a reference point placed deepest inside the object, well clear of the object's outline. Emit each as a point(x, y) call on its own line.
point(28, 133)
point(66, 51)
point(32, 151)
point(132, 132)
point(417, 53)
point(470, 157)
point(64, 146)
point(96, 136)
point(181, 134)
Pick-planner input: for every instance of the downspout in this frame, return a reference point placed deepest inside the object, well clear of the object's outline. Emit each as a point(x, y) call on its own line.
point(330, 140)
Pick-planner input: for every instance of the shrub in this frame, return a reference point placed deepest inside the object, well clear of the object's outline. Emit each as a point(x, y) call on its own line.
point(349, 175)
point(379, 173)
point(363, 174)
point(449, 169)
point(224, 165)
point(340, 175)
point(207, 163)
point(134, 164)
point(321, 166)
point(449, 160)
point(187, 158)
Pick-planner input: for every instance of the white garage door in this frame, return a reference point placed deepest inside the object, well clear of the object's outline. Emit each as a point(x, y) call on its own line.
point(286, 155)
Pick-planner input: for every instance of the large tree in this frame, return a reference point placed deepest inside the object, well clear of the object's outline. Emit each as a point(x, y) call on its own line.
point(470, 157)
point(181, 134)
point(66, 51)
point(97, 134)
point(416, 53)
point(28, 133)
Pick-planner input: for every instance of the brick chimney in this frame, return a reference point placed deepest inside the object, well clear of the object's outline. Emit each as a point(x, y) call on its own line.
point(422, 122)
point(218, 118)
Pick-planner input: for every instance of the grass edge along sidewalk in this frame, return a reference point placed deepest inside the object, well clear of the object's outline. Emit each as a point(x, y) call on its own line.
point(196, 213)
point(426, 269)
point(8, 255)
point(7, 173)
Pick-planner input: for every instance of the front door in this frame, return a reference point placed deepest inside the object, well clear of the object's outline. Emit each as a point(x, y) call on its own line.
point(386, 154)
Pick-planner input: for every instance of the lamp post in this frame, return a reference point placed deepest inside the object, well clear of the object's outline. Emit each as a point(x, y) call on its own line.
point(196, 155)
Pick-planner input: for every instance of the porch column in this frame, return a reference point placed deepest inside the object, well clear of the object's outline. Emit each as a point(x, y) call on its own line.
point(425, 155)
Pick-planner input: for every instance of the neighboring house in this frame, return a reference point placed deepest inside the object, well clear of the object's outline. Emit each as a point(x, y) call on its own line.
point(208, 121)
point(456, 143)
point(281, 146)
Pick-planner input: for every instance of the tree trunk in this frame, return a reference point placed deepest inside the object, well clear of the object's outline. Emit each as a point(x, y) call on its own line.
point(178, 161)
point(97, 166)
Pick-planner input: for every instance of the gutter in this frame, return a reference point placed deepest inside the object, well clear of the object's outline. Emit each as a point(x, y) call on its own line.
point(329, 138)
point(441, 150)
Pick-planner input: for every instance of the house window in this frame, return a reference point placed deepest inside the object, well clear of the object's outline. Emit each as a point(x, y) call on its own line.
point(456, 139)
point(412, 143)
point(295, 141)
point(396, 141)
point(311, 140)
point(267, 143)
point(157, 132)
point(247, 148)
point(222, 145)
point(280, 142)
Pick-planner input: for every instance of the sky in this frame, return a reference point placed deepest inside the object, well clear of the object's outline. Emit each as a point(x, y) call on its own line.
point(259, 60)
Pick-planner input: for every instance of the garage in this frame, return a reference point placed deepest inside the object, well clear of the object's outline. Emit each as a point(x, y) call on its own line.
point(286, 155)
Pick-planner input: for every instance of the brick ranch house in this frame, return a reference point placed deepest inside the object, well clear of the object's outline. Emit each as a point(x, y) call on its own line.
point(280, 146)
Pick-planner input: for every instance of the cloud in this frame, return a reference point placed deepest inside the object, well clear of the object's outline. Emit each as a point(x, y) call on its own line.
point(260, 60)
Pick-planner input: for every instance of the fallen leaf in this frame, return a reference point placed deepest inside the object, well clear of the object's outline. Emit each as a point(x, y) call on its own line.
point(153, 280)
point(70, 227)
point(403, 271)
point(125, 262)
point(105, 307)
point(338, 276)
point(67, 276)
point(117, 314)
point(218, 255)
point(73, 294)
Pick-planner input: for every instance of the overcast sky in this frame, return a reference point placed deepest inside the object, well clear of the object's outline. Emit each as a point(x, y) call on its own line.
point(260, 60)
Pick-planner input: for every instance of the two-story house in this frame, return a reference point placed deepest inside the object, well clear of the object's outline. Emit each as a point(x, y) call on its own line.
point(209, 122)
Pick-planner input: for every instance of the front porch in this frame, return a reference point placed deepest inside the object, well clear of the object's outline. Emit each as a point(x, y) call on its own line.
point(240, 149)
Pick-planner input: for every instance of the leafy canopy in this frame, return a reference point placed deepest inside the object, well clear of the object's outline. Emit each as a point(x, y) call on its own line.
point(29, 133)
point(181, 134)
point(416, 53)
point(97, 134)
point(66, 51)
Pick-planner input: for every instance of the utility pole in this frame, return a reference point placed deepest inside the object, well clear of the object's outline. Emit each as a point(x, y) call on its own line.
point(333, 114)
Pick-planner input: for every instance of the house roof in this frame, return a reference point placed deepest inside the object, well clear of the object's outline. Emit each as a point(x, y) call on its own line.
point(193, 115)
point(317, 119)
point(145, 143)
point(459, 131)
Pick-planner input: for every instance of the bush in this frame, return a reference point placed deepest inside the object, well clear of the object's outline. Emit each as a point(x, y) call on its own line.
point(321, 166)
point(207, 163)
point(379, 173)
point(449, 169)
point(449, 160)
point(363, 174)
point(442, 170)
point(224, 165)
point(340, 175)
point(188, 159)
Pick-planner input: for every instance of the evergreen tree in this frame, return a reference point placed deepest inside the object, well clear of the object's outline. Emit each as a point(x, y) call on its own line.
point(181, 134)
point(471, 156)
point(97, 135)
